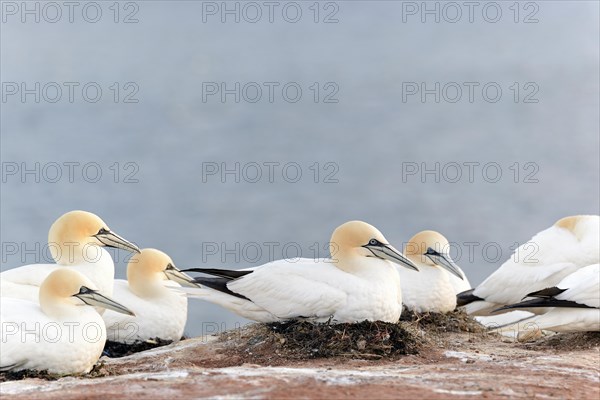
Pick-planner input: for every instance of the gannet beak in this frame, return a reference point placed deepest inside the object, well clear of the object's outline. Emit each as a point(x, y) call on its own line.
point(176, 275)
point(111, 239)
point(388, 252)
point(95, 299)
point(443, 261)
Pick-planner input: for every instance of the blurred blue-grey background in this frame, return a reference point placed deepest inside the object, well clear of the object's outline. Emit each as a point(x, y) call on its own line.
point(544, 139)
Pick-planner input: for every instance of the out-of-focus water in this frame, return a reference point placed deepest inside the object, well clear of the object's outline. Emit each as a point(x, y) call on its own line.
point(369, 135)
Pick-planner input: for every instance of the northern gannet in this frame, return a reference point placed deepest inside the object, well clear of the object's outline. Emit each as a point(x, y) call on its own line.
point(62, 334)
point(431, 289)
point(573, 304)
point(160, 311)
point(542, 262)
point(75, 241)
point(358, 283)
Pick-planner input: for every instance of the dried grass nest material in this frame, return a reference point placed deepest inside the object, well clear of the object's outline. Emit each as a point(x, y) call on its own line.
point(455, 321)
point(297, 340)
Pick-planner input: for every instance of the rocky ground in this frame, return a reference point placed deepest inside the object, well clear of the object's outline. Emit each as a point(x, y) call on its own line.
point(426, 359)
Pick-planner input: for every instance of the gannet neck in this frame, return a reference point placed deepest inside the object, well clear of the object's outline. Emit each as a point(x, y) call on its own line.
point(146, 273)
point(346, 259)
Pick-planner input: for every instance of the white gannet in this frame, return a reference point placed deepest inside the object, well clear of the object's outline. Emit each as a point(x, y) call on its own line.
point(75, 241)
point(430, 289)
point(62, 334)
point(571, 243)
point(160, 311)
point(574, 303)
point(358, 283)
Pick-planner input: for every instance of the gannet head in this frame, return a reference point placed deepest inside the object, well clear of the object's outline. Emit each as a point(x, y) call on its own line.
point(64, 289)
point(359, 239)
point(580, 225)
point(433, 249)
point(71, 233)
point(147, 270)
point(568, 223)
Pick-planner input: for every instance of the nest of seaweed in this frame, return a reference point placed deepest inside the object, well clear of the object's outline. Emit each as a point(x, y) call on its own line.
point(27, 373)
point(455, 321)
point(299, 340)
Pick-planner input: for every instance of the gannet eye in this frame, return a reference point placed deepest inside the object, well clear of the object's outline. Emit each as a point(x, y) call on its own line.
point(84, 290)
point(431, 252)
point(102, 231)
point(374, 242)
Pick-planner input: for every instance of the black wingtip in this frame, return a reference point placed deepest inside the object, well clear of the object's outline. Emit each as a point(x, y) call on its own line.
point(222, 273)
point(219, 284)
point(542, 302)
point(466, 297)
point(546, 293)
point(533, 303)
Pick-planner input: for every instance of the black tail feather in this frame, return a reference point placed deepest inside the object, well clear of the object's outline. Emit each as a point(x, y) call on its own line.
point(466, 297)
point(223, 273)
point(546, 293)
point(219, 284)
point(543, 302)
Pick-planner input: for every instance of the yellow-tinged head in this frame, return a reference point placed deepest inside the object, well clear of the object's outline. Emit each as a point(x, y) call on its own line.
point(73, 232)
point(65, 289)
point(569, 223)
point(147, 270)
point(583, 227)
point(63, 284)
point(355, 234)
point(417, 246)
point(433, 249)
point(356, 239)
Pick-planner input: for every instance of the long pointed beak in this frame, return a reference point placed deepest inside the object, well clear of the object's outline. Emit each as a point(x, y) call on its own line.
point(446, 262)
point(176, 275)
point(111, 239)
point(95, 299)
point(388, 252)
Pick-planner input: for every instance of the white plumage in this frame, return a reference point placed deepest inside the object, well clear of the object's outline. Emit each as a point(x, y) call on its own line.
point(24, 282)
point(582, 287)
point(551, 255)
point(75, 241)
point(572, 305)
point(61, 334)
point(359, 284)
point(160, 310)
point(432, 289)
